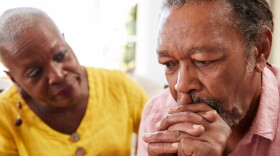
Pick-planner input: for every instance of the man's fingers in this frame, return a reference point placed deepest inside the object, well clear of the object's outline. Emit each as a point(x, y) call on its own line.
point(198, 107)
point(180, 117)
point(210, 116)
point(156, 149)
point(162, 136)
point(188, 128)
point(195, 147)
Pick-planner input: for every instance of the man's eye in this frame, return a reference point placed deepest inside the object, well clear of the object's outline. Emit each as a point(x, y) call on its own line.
point(170, 65)
point(60, 56)
point(34, 72)
point(201, 63)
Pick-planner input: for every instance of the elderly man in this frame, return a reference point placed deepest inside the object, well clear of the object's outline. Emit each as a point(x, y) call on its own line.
point(223, 96)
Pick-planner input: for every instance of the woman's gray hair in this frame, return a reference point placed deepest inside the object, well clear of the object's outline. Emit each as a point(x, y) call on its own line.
point(14, 22)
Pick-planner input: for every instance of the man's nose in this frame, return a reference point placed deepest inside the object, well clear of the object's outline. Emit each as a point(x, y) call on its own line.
point(187, 80)
point(56, 73)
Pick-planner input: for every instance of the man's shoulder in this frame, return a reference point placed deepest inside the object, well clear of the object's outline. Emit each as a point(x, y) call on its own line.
point(160, 102)
point(275, 74)
point(156, 109)
point(276, 71)
point(162, 96)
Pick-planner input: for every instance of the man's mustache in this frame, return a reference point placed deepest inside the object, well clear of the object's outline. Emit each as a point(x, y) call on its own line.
point(215, 104)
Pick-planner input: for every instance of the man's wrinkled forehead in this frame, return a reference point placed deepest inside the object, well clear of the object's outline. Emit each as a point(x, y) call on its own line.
point(212, 15)
point(222, 8)
point(179, 3)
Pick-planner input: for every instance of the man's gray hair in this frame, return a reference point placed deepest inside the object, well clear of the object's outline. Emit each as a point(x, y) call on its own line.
point(249, 15)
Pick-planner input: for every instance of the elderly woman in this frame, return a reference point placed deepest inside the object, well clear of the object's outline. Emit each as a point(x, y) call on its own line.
point(57, 107)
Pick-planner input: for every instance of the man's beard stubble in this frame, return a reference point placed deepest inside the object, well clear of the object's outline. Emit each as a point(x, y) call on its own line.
point(231, 118)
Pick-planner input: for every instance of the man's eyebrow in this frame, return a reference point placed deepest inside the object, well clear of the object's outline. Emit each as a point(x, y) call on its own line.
point(193, 50)
point(163, 53)
point(204, 49)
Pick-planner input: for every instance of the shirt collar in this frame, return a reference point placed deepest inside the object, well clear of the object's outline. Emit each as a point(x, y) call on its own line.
point(265, 122)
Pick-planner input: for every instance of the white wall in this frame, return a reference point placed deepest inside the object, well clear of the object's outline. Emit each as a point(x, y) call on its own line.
point(146, 57)
point(95, 29)
point(275, 54)
point(75, 19)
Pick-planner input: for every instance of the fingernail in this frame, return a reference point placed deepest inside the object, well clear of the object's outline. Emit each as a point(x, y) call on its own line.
point(211, 112)
point(176, 144)
point(170, 110)
point(147, 135)
point(197, 126)
point(158, 124)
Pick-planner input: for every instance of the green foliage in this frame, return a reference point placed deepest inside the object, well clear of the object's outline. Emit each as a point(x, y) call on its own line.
point(130, 46)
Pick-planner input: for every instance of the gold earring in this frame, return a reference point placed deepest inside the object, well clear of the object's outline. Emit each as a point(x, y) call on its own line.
point(18, 120)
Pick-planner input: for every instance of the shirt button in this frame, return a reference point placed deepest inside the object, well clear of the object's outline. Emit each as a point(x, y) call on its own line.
point(80, 151)
point(75, 137)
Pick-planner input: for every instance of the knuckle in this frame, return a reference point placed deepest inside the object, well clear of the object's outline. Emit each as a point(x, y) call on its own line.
point(166, 117)
point(178, 134)
point(186, 107)
point(161, 147)
point(217, 151)
point(151, 150)
point(187, 115)
point(159, 134)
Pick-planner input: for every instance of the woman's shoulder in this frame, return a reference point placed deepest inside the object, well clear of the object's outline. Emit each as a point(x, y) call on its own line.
point(104, 72)
point(8, 102)
point(9, 95)
point(104, 76)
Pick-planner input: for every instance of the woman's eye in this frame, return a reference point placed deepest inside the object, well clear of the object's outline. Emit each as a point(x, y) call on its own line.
point(60, 56)
point(34, 72)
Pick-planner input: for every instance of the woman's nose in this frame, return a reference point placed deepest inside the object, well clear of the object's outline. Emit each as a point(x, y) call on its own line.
point(55, 74)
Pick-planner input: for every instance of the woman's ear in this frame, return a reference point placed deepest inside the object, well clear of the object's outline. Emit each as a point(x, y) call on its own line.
point(264, 42)
point(8, 73)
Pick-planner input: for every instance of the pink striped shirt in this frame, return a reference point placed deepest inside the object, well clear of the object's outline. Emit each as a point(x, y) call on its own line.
point(262, 139)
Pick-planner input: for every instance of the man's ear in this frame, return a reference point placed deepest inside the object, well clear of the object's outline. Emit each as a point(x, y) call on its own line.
point(264, 42)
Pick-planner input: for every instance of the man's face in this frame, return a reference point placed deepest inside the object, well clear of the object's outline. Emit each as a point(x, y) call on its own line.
point(44, 66)
point(205, 58)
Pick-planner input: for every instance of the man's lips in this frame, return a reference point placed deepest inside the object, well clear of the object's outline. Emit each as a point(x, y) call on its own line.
point(184, 99)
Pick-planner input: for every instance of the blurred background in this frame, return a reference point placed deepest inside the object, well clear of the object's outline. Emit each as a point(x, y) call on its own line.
point(117, 34)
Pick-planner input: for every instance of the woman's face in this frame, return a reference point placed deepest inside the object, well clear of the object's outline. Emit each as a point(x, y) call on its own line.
point(44, 66)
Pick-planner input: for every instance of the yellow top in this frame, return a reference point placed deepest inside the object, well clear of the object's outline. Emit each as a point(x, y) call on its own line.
point(114, 110)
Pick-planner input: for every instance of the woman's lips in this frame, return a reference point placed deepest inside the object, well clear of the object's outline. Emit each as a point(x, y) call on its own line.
point(66, 91)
